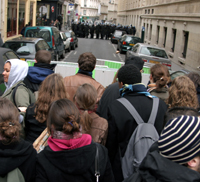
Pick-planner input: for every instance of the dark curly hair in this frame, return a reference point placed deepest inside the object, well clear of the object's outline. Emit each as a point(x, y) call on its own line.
point(10, 128)
point(129, 74)
point(87, 61)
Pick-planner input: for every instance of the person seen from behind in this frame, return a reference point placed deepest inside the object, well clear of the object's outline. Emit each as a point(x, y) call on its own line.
point(51, 89)
point(86, 63)
point(85, 99)
point(121, 123)
point(70, 155)
point(16, 155)
point(112, 93)
point(182, 93)
point(158, 81)
point(195, 77)
point(176, 155)
point(41, 69)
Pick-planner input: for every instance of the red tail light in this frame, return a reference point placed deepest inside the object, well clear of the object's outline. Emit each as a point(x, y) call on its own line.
point(167, 64)
point(53, 41)
point(71, 40)
point(113, 37)
point(124, 43)
point(144, 60)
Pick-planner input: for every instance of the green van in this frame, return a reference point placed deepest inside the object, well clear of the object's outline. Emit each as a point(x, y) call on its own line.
point(51, 35)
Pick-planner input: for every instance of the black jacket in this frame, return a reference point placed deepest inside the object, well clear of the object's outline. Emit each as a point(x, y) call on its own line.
point(121, 126)
point(33, 128)
point(20, 155)
point(110, 94)
point(155, 168)
point(77, 165)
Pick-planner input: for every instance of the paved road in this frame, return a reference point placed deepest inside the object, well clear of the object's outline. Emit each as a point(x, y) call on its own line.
point(102, 49)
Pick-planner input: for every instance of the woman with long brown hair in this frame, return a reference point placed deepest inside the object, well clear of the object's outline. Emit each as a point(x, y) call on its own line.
point(159, 77)
point(85, 99)
point(182, 93)
point(16, 155)
point(51, 89)
point(70, 154)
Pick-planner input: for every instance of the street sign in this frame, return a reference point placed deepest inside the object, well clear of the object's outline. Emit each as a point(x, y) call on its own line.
point(52, 9)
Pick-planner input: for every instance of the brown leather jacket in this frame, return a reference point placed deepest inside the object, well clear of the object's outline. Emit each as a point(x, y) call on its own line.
point(73, 82)
point(99, 129)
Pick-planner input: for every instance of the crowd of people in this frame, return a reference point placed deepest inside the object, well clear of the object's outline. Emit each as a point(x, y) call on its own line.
point(102, 30)
point(82, 130)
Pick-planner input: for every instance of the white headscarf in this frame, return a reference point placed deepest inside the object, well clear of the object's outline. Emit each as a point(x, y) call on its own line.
point(18, 72)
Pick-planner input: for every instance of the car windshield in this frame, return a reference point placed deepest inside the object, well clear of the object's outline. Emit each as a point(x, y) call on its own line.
point(39, 33)
point(67, 34)
point(118, 33)
point(150, 51)
point(23, 48)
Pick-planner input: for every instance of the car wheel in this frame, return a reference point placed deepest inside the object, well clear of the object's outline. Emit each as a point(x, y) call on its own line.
point(63, 54)
point(69, 49)
point(57, 57)
point(73, 47)
point(117, 47)
point(120, 50)
point(111, 41)
point(77, 44)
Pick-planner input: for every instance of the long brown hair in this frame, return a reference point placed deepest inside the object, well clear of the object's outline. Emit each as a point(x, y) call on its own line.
point(159, 75)
point(85, 98)
point(52, 89)
point(9, 122)
point(182, 93)
point(64, 116)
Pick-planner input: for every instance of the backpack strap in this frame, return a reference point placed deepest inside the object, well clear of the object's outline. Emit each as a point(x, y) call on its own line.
point(154, 111)
point(135, 114)
point(131, 110)
point(14, 92)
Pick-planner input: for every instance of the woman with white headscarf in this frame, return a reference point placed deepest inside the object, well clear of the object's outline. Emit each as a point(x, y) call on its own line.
point(15, 71)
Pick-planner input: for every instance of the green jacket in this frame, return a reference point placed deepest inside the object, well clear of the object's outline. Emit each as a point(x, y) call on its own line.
point(23, 96)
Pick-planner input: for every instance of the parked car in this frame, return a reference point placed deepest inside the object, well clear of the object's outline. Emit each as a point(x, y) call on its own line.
point(117, 35)
point(150, 54)
point(181, 72)
point(5, 54)
point(66, 41)
point(51, 35)
point(26, 47)
point(73, 40)
point(126, 42)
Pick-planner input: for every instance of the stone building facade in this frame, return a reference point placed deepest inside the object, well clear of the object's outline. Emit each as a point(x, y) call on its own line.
point(171, 24)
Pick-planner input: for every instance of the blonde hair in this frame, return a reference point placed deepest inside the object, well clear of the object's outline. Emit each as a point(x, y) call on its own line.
point(182, 93)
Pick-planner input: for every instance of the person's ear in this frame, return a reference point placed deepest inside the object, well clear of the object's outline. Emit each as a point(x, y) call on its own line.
point(35, 60)
point(194, 163)
point(120, 84)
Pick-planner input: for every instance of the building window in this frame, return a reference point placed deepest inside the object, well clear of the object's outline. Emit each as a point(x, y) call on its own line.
point(147, 31)
point(186, 36)
point(148, 11)
point(150, 32)
point(174, 39)
point(165, 36)
point(85, 3)
point(145, 11)
point(12, 18)
point(31, 13)
point(158, 32)
point(84, 12)
point(152, 11)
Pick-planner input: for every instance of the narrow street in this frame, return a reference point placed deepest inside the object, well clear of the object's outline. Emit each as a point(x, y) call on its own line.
point(102, 49)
